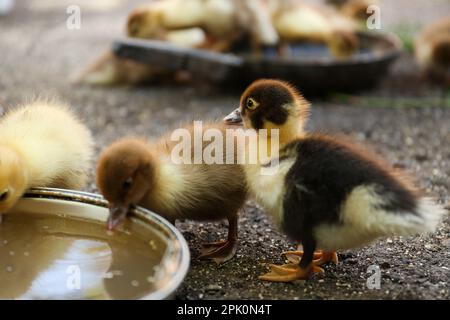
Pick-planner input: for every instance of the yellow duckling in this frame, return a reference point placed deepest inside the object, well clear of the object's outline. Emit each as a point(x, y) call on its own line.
point(223, 22)
point(43, 145)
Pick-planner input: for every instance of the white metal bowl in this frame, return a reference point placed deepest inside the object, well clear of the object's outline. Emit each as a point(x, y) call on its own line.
point(75, 204)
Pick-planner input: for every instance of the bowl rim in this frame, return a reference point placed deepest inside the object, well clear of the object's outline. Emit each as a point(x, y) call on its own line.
point(393, 50)
point(148, 48)
point(180, 252)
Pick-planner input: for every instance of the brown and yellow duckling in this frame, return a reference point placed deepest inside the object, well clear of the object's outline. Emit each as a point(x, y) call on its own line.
point(325, 194)
point(432, 50)
point(138, 172)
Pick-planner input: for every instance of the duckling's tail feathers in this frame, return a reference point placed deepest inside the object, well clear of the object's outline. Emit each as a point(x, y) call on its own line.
point(385, 215)
point(424, 219)
point(430, 213)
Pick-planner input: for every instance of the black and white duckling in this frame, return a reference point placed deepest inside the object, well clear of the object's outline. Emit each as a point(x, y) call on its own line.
point(325, 193)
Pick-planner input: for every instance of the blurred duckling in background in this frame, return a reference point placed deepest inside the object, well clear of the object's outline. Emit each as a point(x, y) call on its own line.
point(326, 193)
point(159, 18)
point(203, 24)
point(159, 21)
point(304, 21)
point(143, 22)
point(43, 145)
point(137, 172)
point(223, 21)
point(432, 50)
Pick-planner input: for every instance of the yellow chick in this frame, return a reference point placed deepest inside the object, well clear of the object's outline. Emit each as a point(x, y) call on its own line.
point(42, 145)
point(160, 19)
point(223, 21)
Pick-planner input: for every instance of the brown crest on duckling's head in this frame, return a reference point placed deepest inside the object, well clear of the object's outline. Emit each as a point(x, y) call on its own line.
point(143, 23)
point(125, 173)
point(272, 101)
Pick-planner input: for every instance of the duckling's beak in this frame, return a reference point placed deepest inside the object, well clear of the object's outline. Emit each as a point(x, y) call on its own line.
point(117, 215)
point(234, 117)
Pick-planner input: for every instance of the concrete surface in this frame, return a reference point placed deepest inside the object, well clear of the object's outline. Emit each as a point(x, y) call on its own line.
point(38, 54)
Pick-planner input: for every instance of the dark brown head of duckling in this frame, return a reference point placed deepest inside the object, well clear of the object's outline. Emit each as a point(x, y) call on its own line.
point(125, 173)
point(268, 104)
point(441, 51)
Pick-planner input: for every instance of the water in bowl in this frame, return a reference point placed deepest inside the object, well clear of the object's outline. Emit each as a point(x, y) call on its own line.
point(56, 257)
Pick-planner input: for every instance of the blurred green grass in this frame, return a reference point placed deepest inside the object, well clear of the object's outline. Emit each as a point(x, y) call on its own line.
point(407, 31)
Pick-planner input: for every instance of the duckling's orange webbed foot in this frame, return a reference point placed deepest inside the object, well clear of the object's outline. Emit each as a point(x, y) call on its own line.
point(222, 251)
point(290, 272)
point(295, 256)
point(327, 256)
point(219, 252)
point(320, 257)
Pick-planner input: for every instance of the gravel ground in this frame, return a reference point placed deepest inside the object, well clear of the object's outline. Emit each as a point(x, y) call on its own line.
point(38, 55)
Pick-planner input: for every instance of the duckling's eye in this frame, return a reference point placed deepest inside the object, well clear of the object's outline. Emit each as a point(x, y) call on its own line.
point(4, 195)
point(126, 185)
point(251, 104)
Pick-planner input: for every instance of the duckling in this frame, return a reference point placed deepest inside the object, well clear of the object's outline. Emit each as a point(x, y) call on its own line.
point(432, 50)
point(223, 21)
point(203, 24)
point(138, 172)
point(43, 145)
point(150, 22)
point(153, 20)
point(303, 21)
point(143, 22)
point(326, 193)
point(158, 19)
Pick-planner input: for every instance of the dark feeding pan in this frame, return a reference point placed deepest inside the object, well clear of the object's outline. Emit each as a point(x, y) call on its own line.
point(309, 66)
